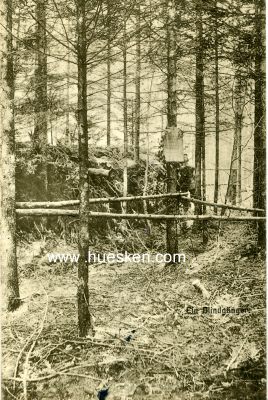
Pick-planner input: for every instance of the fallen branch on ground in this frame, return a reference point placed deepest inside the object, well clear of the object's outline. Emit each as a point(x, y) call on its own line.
point(26, 364)
point(66, 372)
point(201, 288)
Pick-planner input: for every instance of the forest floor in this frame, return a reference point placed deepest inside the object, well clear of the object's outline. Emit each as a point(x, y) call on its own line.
point(147, 343)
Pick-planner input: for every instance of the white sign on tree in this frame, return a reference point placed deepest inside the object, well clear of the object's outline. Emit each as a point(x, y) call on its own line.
point(173, 145)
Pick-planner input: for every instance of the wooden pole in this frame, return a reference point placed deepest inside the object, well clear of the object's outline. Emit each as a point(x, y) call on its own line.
point(47, 204)
point(95, 214)
point(222, 205)
point(57, 204)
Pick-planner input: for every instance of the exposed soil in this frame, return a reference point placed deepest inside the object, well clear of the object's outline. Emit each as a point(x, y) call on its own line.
point(147, 343)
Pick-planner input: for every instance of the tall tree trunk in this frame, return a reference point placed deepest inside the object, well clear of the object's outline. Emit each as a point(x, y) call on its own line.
point(132, 132)
point(17, 41)
point(239, 106)
point(9, 268)
point(84, 317)
point(125, 172)
point(109, 92)
point(138, 87)
point(233, 193)
point(68, 139)
point(171, 226)
point(41, 101)
point(200, 114)
point(204, 169)
point(146, 173)
point(217, 106)
point(259, 177)
point(239, 160)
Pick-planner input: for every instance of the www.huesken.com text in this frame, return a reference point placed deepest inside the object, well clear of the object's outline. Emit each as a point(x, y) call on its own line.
point(117, 257)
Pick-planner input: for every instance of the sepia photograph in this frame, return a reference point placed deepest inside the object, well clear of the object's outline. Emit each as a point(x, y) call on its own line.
point(133, 199)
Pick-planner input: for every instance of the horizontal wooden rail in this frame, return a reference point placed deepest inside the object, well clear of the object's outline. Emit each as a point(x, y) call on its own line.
point(64, 203)
point(56, 204)
point(46, 204)
point(95, 214)
point(222, 205)
point(133, 198)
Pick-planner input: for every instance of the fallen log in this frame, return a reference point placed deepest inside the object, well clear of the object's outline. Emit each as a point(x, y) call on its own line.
point(201, 288)
point(95, 214)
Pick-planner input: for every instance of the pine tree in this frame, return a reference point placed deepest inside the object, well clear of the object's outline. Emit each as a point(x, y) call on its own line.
point(171, 226)
point(84, 316)
point(11, 295)
point(41, 99)
point(259, 182)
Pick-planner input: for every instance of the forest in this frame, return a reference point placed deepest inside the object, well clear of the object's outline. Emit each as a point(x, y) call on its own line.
point(133, 199)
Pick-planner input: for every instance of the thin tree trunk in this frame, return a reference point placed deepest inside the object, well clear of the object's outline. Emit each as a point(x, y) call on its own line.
point(200, 148)
point(11, 296)
point(233, 193)
point(204, 169)
point(68, 138)
point(238, 122)
point(16, 42)
point(217, 106)
point(146, 180)
point(109, 92)
point(125, 172)
point(259, 177)
point(84, 317)
point(239, 166)
point(146, 174)
point(138, 87)
point(200, 117)
point(53, 140)
point(41, 101)
point(171, 227)
point(132, 134)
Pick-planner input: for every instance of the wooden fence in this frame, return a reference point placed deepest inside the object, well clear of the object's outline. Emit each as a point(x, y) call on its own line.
point(54, 208)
